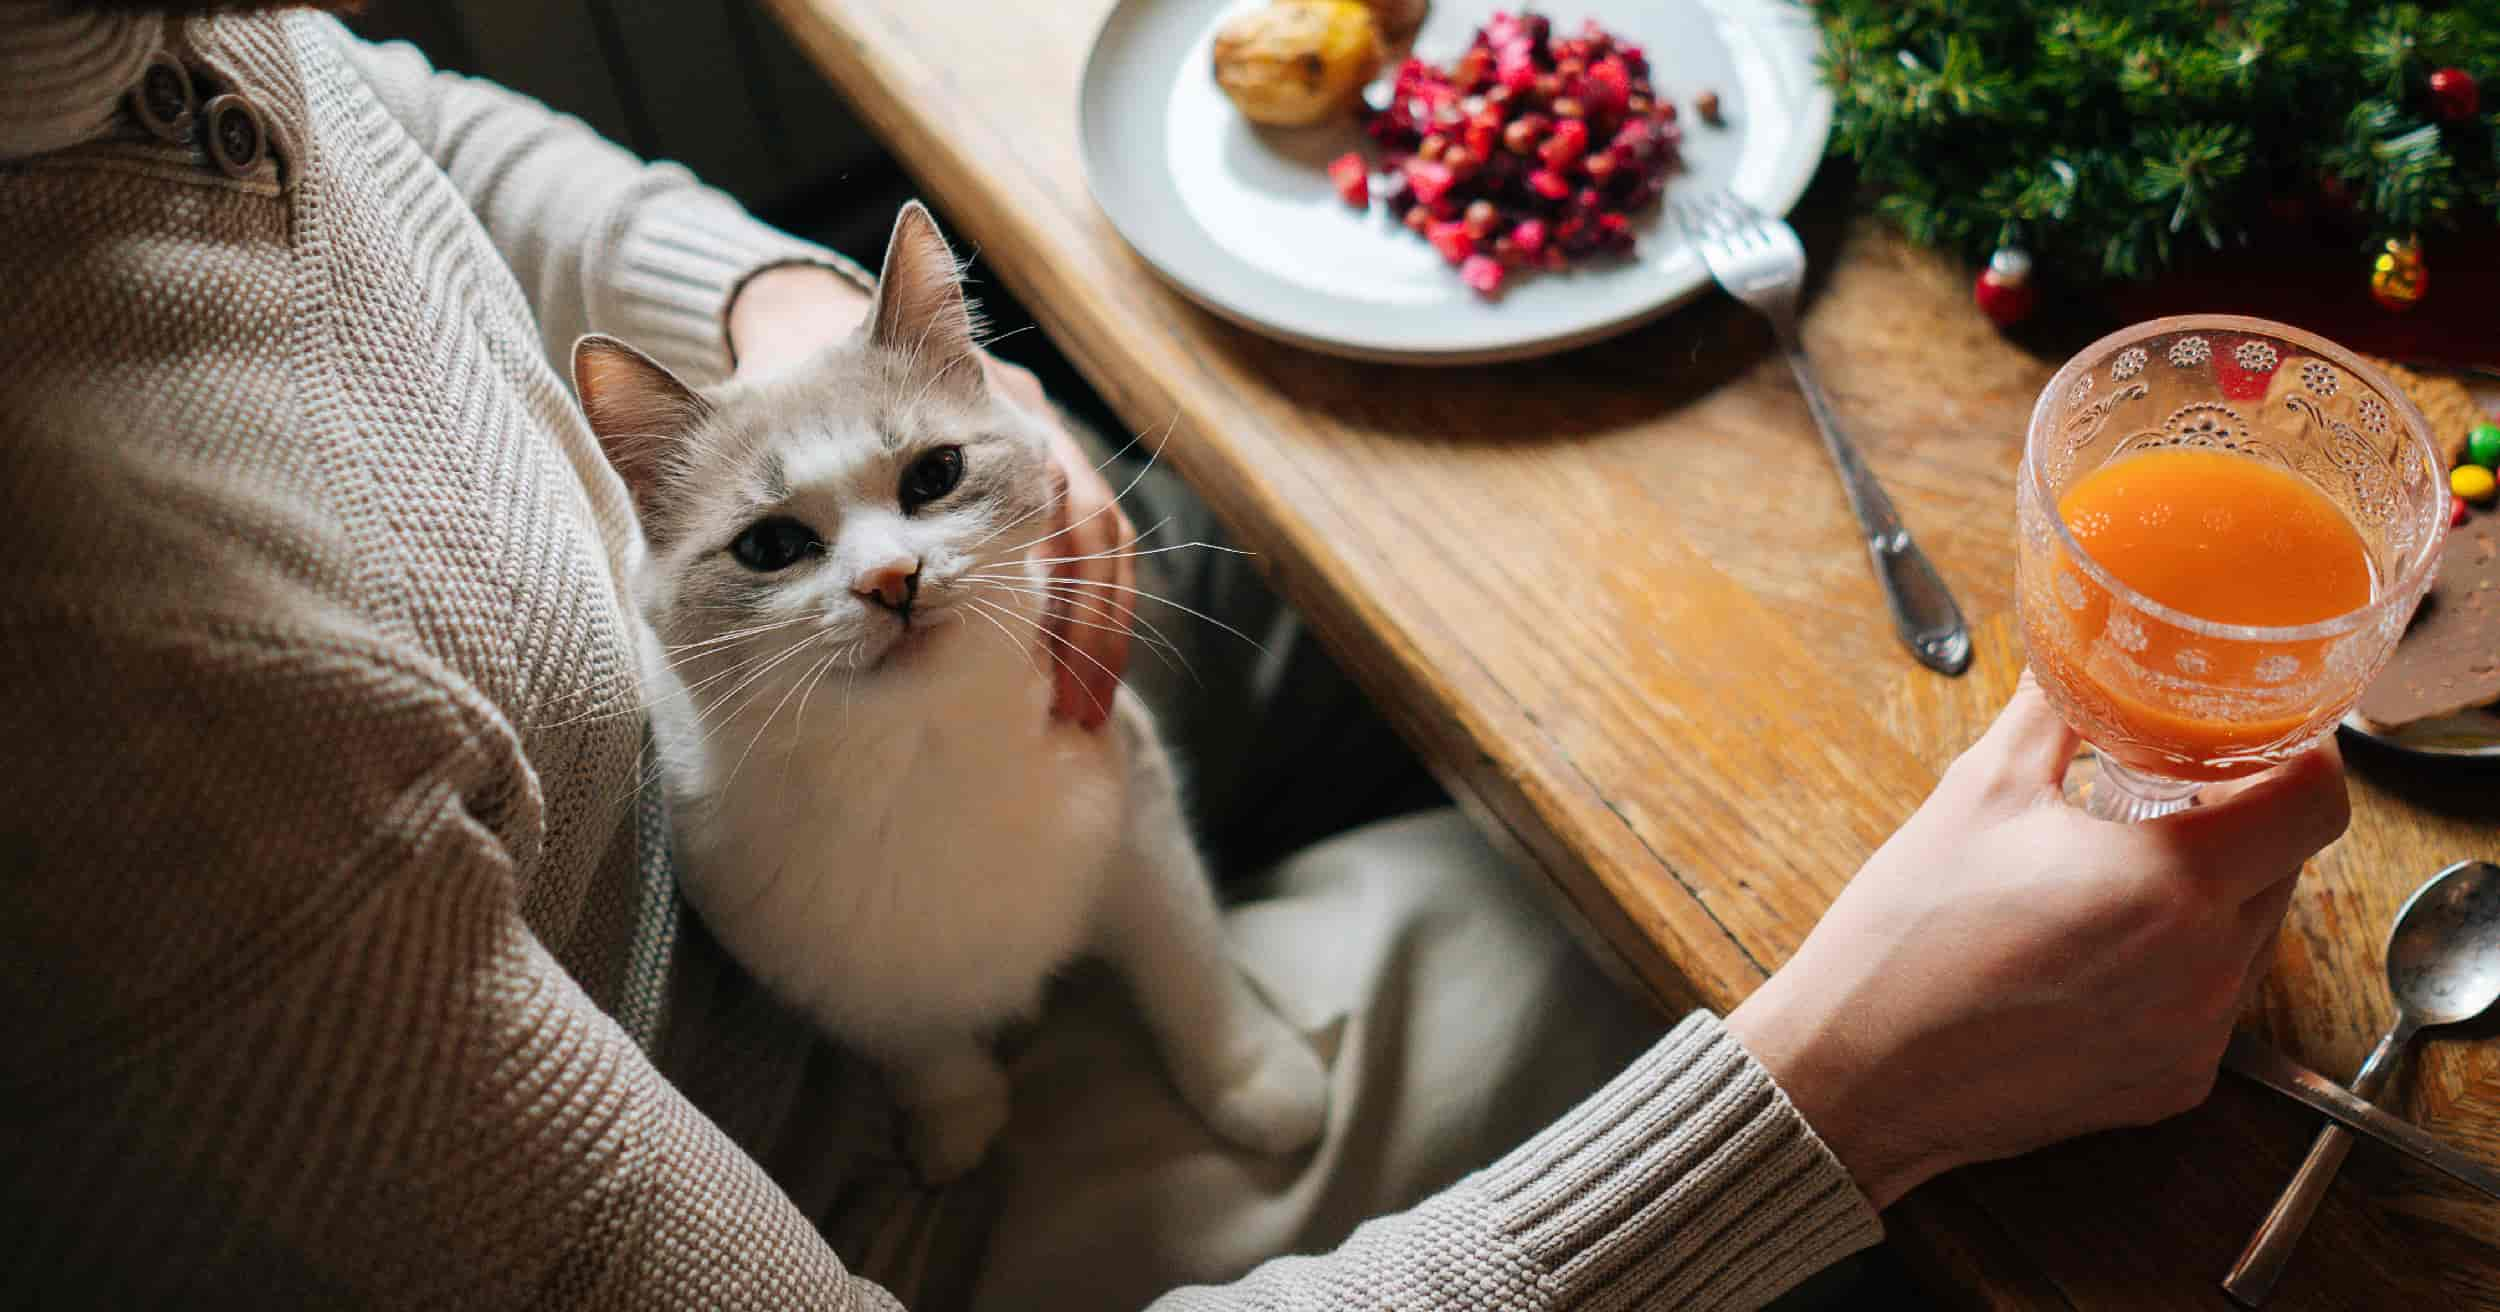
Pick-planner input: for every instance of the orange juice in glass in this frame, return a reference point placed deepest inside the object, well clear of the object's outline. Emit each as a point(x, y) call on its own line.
point(2224, 525)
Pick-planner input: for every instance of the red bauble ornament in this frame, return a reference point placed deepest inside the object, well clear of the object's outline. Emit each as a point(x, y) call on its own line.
point(2455, 92)
point(2004, 291)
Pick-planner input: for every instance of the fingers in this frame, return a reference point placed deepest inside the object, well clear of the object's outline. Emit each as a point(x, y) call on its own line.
point(1117, 598)
point(1093, 572)
point(2261, 925)
point(1088, 615)
point(2029, 746)
point(1095, 639)
point(2258, 832)
point(1068, 699)
point(2261, 919)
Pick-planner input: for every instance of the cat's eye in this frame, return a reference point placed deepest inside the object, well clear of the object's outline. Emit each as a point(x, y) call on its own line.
point(932, 476)
point(773, 544)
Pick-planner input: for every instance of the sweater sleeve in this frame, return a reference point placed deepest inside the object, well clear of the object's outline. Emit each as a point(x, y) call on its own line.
point(280, 1036)
point(600, 240)
point(1690, 1182)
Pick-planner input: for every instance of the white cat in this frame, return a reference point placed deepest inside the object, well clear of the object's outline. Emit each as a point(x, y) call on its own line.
point(849, 684)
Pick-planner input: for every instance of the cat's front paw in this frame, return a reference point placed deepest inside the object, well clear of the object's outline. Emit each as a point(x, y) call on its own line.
point(947, 1139)
point(1278, 1103)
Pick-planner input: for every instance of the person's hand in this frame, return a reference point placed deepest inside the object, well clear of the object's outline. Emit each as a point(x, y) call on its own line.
point(786, 314)
point(2007, 972)
point(1093, 566)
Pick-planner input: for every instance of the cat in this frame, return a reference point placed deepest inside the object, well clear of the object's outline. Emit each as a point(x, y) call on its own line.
point(849, 684)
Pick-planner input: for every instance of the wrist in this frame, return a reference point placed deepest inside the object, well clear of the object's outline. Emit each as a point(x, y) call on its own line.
point(1834, 1085)
point(788, 311)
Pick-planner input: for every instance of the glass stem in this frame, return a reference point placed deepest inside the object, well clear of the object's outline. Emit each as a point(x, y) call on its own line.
point(2125, 796)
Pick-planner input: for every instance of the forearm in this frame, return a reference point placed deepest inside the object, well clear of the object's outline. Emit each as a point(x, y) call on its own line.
point(598, 239)
point(1689, 1182)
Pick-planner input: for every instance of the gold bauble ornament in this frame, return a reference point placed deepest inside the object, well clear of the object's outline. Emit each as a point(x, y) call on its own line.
point(2398, 277)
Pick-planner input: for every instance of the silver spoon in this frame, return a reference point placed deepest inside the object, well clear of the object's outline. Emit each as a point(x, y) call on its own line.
point(2443, 966)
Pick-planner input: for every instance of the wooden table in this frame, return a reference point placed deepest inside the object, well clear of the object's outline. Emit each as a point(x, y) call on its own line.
point(1616, 600)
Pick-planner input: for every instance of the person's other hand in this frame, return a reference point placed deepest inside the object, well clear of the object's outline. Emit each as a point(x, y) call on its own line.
point(2006, 971)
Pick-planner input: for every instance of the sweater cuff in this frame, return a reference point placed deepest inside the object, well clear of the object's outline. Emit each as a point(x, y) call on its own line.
point(1690, 1181)
point(680, 261)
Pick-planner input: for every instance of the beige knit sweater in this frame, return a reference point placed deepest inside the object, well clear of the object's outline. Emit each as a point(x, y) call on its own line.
point(340, 951)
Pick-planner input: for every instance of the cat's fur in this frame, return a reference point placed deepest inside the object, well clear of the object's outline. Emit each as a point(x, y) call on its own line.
point(875, 811)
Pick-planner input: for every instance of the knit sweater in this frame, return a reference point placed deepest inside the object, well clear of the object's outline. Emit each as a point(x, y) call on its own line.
point(340, 944)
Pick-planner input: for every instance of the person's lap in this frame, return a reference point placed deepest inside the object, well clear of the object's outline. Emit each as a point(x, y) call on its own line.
point(1456, 1019)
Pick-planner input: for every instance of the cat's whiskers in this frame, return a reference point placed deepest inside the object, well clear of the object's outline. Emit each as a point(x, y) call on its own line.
point(1099, 466)
point(1112, 615)
point(798, 718)
point(1128, 613)
point(739, 663)
point(717, 721)
point(758, 671)
point(1152, 455)
point(1114, 621)
point(736, 667)
point(644, 696)
point(1132, 555)
point(850, 684)
point(634, 677)
point(992, 610)
point(1072, 588)
point(1017, 553)
point(1162, 650)
point(775, 713)
point(732, 635)
point(1062, 641)
point(1025, 649)
point(760, 666)
point(840, 655)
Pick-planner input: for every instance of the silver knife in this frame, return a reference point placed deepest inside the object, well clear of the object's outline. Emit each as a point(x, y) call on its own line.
point(2250, 1056)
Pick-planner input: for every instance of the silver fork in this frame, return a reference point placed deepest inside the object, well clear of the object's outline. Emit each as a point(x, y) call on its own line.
point(1759, 261)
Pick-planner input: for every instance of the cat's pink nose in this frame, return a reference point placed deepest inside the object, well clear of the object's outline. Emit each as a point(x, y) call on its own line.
point(892, 584)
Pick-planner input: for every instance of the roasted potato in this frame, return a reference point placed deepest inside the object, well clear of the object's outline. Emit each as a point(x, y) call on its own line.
point(1298, 62)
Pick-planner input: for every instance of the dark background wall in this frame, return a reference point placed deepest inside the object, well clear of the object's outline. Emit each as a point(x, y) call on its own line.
point(713, 84)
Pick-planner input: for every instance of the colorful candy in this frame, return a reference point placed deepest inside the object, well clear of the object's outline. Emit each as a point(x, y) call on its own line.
point(2482, 446)
point(2457, 512)
point(2472, 482)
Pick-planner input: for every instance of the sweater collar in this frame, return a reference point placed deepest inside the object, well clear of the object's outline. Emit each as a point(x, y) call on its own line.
point(66, 73)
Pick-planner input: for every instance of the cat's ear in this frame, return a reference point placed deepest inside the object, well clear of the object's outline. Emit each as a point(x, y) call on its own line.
point(638, 409)
point(921, 311)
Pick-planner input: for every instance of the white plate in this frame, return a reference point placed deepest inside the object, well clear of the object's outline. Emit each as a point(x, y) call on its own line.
point(2468, 735)
point(1243, 220)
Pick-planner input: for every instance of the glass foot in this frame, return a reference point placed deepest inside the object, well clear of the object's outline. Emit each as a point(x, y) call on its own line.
point(2120, 794)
